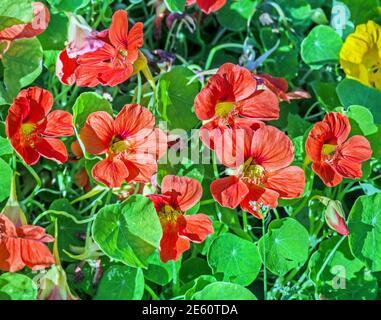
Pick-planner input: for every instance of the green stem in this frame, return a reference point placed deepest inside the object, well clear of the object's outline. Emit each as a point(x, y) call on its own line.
point(327, 260)
point(264, 258)
point(220, 47)
point(139, 94)
point(61, 213)
point(215, 168)
point(151, 292)
point(206, 202)
point(245, 221)
point(36, 178)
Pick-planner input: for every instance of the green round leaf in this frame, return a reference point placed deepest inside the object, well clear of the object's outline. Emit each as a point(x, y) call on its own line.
point(6, 179)
point(238, 259)
point(361, 119)
point(15, 12)
point(285, 245)
point(128, 232)
point(344, 277)
point(352, 92)
point(87, 103)
point(22, 64)
point(234, 14)
point(176, 98)
point(15, 286)
point(193, 268)
point(364, 224)
point(175, 5)
point(159, 272)
point(321, 46)
point(224, 291)
point(121, 283)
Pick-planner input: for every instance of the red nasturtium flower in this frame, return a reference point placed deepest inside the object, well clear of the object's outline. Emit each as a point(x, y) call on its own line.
point(261, 171)
point(41, 17)
point(32, 128)
point(131, 142)
point(208, 6)
point(230, 99)
point(110, 64)
point(23, 246)
point(333, 156)
point(178, 195)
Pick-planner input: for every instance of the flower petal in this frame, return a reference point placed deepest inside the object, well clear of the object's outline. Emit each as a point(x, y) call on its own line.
point(329, 176)
point(241, 81)
point(132, 119)
point(339, 125)
point(196, 227)
point(35, 233)
point(271, 148)
point(65, 68)
point(52, 149)
point(111, 172)
point(40, 103)
point(263, 105)
point(97, 132)
point(135, 41)
point(229, 191)
point(206, 101)
point(112, 75)
point(119, 29)
point(35, 254)
point(316, 139)
point(356, 149)
point(171, 245)
point(288, 182)
point(257, 198)
point(189, 190)
point(209, 6)
point(10, 257)
point(59, 124)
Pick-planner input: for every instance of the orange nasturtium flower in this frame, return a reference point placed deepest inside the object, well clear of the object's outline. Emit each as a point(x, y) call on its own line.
point(333, 156)
point(41, 17)
point(178, 195)
point(208, 6)
point(131, 142)
point(231, 99)
point(112, 63)
point(23, 246)
point(32, 128)
point(260, 171)
point(360, 56)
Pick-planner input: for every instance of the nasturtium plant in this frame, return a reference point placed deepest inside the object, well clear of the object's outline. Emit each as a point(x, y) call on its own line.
point(365, 224)
point(222, 257)
point(15, 286)
point(285, 246)
point(190, 150)
point(129, 233)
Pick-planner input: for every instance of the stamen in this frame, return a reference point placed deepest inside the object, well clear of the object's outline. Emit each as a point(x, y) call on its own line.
point(224, 108)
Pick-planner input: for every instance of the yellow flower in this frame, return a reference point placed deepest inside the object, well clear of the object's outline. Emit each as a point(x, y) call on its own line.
point(360, 55)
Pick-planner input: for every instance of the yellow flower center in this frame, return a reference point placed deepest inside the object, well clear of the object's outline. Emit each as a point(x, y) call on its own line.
point(328, 149)
point(123, 53)
point(253, 172)
point(27, 129)
point(224, 108)
point(168, 215)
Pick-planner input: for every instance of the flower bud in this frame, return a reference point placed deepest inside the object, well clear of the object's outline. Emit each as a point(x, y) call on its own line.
point(334, 216)
point(53, 285)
